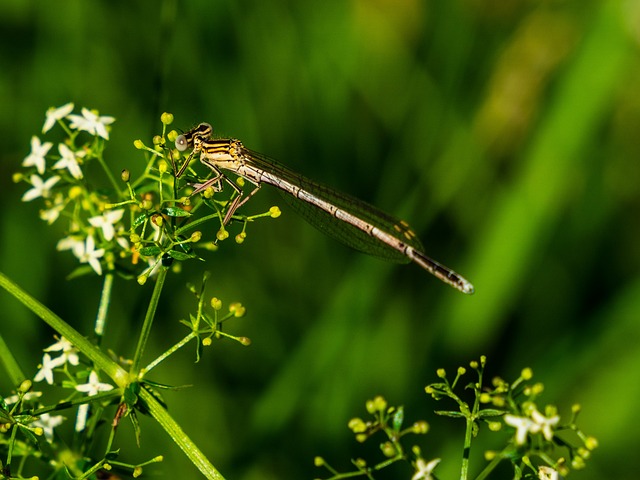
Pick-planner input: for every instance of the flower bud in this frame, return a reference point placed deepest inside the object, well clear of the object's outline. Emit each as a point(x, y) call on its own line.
point(388, 449)
point(25, 386)
point(216, 303)
point(237, 309)
point(166, 118)
point(274, 212)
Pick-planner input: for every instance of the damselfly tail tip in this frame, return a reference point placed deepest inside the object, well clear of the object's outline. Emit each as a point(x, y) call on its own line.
point(440, 271)
point(466, 287)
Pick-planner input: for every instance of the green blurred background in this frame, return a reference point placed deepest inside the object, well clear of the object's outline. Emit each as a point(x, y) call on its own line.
point(506, 132)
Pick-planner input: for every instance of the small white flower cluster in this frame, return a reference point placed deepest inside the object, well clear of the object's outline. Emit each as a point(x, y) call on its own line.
point(534, 422)
point(88, 122)
point(68, 356)
point(425, 469)
point(83, 243)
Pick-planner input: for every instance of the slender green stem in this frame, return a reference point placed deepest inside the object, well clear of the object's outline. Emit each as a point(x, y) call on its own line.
point(105, 167)
point(148, 320)
point(98, 397)
point(12, 442)
point(195, 223)
point(194, 454)
point(489, 468)
point(92, 470)
point(464, 470)
point(103, 308)
point(170, 351)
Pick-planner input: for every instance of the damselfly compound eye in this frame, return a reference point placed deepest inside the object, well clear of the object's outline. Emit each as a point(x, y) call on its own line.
point(204, 129)
point(181, 143)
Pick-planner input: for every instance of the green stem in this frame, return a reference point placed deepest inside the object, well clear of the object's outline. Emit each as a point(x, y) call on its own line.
point(195, 223)
point(464, 470)
point(148, 320)
point(170, 351)
point(103, 308)
point(107, 170)
point(165, 420)
point(98, 397)
point(489, 468)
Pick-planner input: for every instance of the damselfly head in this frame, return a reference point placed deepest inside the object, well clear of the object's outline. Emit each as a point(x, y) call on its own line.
point(185, 141)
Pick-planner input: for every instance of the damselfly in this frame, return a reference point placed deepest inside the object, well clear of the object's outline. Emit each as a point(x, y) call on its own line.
point(347, 219)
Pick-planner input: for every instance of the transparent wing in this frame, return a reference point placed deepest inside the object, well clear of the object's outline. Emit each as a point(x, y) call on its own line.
point(333, 227)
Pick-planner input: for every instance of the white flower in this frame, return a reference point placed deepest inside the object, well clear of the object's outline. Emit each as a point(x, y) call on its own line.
point(121, 240)
point(90, 255)
point(424, 469)
point(548, 473)
point(46, 369)
point(69, 352)
point(39, 188)
point(38, 152)
point(74, 243)
point(83, 250)
point(545, 424)
point(55, 114)
point(91, 388)
point(48, 423)
point(92, 123)
point(69, 161)
point(106, 221)
point(51, 215)
point(26, 397)
point(523, 425)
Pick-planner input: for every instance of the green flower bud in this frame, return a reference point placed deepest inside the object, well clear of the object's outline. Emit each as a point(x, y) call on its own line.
point(166, 118)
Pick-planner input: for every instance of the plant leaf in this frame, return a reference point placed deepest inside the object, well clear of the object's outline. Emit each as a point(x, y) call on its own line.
point(176, 212)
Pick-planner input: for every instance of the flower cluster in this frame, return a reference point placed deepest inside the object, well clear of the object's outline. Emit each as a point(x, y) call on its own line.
point(539, 438)
point(61, 357)
point(57, 177)
point(387, 420)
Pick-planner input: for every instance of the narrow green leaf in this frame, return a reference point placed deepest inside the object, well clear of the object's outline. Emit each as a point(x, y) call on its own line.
point(139, 220)
point(112, 455)
point(29, 434)
point(150, 251)
point(181, 256)
point(398, 419)
point(451, 414)
point(490, 412)
point(81, 271)
point(176, 212)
